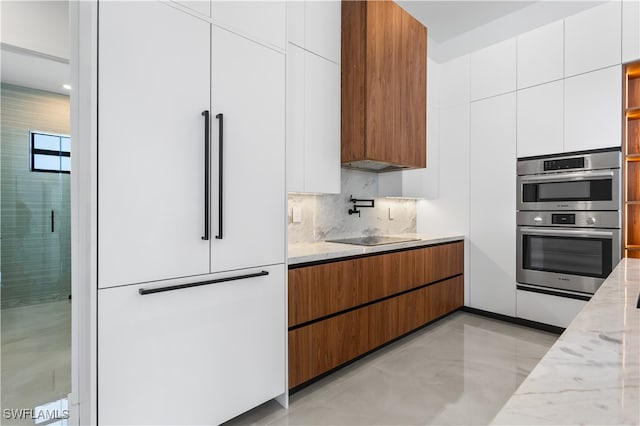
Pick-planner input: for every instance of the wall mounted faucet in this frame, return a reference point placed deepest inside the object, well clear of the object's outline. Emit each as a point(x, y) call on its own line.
point(355, 201)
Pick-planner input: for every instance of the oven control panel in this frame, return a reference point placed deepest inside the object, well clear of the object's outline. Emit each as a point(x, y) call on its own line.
point(578, 219)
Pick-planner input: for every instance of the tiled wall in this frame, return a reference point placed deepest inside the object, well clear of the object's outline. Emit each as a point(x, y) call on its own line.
point(326, 216)
point(36, 263)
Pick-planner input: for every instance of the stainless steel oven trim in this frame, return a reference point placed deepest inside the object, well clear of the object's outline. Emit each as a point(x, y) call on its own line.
point(583, 219)
point(592, 161)
point(613, 204)
point(557, 280)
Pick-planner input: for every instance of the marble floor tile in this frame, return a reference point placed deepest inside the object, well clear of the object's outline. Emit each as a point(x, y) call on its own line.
point(35, 355)
point(460, 370)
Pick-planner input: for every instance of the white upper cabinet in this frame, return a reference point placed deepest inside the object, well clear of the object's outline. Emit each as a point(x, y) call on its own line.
point(540, 119)
point(630, 31)
point(593, 39)
point(262, 21)
point(153, 90)
point(541, 55)
point(313, 122)
point(316, 27)
point(493, 70)
point(592, 110)
point(203, 7)
point(322, 125)
point(322, 30)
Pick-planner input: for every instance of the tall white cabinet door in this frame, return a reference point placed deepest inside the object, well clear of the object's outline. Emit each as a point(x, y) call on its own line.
point(593, 39)
point(540, 119)
point(262, 21)
point(248, 88)
point(593, 110)
point(323, 29)
point(200, 6)
point(153, 87)
point(492, 231)
point(195, 356)
point(630, 31)
point(541, 55)
point(322, 125)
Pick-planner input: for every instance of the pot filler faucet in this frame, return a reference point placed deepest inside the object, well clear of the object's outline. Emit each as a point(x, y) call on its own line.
point(355, 201)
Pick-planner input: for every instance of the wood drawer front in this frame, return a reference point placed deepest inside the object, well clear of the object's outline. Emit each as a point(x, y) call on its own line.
point(319, 347)
point(321, 290)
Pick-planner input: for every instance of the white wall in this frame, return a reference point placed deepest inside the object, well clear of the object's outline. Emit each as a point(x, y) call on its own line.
point(41, 26)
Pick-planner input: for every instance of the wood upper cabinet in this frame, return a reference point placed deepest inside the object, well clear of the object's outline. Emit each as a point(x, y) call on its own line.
point(384, 54)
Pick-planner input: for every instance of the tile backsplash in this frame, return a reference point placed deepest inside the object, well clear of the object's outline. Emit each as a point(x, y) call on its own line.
point(325, 216)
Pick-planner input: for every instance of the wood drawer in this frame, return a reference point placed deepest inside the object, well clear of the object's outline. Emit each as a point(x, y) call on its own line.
point(321, 346)
point(321, 290)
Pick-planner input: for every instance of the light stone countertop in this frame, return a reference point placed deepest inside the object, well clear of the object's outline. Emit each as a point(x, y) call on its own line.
point(591, 375)
point(313, 252)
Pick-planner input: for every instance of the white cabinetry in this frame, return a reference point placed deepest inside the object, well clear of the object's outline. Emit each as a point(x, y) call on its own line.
point(593, 39)
point(592, 110)
point(313, 97)
point(198, 355)
point(203, 7)
point(541, 55)
point(547, 309)
point(153, 90)
point(212, 345)
point(492, 202)
point(316, 27)
point(630, 31)
point(248, 88)
point(540, 119)
point(262, 21)
point(493, 70)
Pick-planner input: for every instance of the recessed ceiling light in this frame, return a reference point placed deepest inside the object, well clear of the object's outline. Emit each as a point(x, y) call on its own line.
point(66, 86)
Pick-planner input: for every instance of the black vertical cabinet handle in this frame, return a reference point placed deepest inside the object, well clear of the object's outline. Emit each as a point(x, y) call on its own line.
point(206, 175)
point(53, 221)
point(220, 162)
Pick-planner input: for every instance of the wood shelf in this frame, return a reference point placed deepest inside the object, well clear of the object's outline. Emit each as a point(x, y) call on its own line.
point(631, 166)
point(633, 113)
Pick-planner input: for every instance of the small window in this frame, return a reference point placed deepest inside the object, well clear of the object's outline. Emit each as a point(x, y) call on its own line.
point(50, 153)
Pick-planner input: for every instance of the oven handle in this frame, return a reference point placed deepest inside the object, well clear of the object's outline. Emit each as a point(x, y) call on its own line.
point(565, 232)
point(573, 176)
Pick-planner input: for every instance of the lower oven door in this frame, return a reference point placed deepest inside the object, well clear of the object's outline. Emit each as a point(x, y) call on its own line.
point(566, 259)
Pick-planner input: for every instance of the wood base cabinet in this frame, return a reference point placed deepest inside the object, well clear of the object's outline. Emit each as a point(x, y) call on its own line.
point(341, 310)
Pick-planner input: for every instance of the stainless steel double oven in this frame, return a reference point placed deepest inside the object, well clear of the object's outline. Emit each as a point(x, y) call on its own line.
point(568, 218)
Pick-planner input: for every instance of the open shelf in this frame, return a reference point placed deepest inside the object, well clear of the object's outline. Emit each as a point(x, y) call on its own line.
point(633, 113)
point(631, 166)
point(633, 225)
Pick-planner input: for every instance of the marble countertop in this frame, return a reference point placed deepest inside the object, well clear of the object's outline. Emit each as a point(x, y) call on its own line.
point(313, 252)
point(591, 375)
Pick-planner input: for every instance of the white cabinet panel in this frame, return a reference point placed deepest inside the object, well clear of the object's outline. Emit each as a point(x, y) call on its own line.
point(262, 21)
point(313, 123)
point(540, 119)
point(248, 88)
point(541, 55)
point(322, 125)
point(592, 39)
point(295, 118)
point(453, 83)
point(151, 143)
point(200, 6)
point(322, 21)
point(630, 31)
point(198, 355)
point(493, 70)
point(295, 22)
point(492, 204)
point(547, 309)
point(592, 110)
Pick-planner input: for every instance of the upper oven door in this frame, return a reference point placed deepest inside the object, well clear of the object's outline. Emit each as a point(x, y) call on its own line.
point(586, 190)
point(569, 259)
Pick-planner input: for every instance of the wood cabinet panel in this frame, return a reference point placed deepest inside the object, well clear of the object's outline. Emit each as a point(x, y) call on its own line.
point(321, 346)
point(633, 137)
point(321, 290)
point(383, 50)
